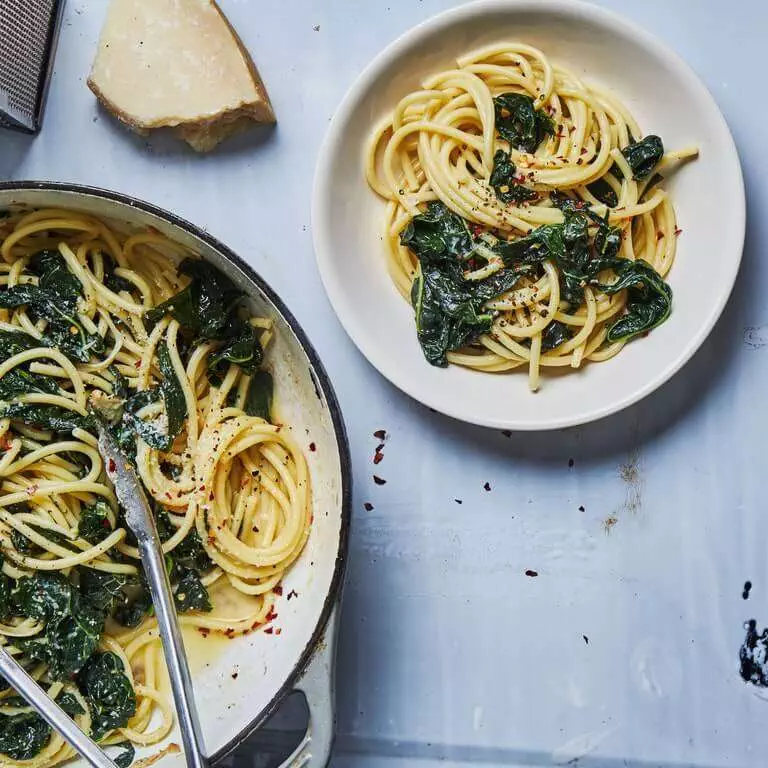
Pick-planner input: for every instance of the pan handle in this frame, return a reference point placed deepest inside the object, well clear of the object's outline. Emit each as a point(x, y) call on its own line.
point(318, 686)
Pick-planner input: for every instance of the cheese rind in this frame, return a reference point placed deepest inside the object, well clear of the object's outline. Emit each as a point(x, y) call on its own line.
point(177, 63)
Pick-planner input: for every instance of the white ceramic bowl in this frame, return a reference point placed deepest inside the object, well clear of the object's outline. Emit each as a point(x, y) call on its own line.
point(665, 96)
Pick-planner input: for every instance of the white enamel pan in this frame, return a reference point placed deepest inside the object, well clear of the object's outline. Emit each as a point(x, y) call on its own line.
point(243, 684)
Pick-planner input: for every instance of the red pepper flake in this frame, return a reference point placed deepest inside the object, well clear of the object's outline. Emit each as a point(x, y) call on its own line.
point(487, 486)
point(293, 593)
point(168, 495)
point(210, 497)
point(255, 529)
point(112, 465)
point(255, 624)
point(368, 506)
point(201, 488)
point(278, 630)
point(204, 631)
point(312, 447)
point(476, 229)
point(278, 590)
point(379, 480)
point(677, 231)
point(268, 631)
point(380, 434)
point(271, 616)
point(659, 235)
point(137, 364)
point(378, 456)
point(531, 573)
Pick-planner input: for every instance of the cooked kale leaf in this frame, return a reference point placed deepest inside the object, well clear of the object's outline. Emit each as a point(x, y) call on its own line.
point(25, 546)
point(243, 349)
point(109, 693)
point(643, 156)
point(505, 182)
point(111, 280)
point(450, 312)
point(23, 736)
point(19, 381)
point(94, 523)
point(55, 299)
point(649, 301)
point(137, 605)
point(438, 234)
point(126, 756)
point(72, 628)
point(106, 591)
point(45, 596)
point(119, 384)
point(258, 401)
point(191, 594)
point(204, 306)
point(567, 244)
point(14, 342)
point(604, 192)
point(52, 417)
point(447, 316)
point(5, 597)
point(209, 309)
point(70, 704)
point(172, 394)
point(519, 123)
point(190, 553)
point(555, 334)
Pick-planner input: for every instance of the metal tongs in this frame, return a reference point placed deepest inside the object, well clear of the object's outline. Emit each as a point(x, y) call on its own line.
point(141, 521)
point(139, 518)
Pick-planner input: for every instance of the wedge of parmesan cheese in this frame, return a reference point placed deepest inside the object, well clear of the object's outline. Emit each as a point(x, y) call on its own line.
point(177, 63)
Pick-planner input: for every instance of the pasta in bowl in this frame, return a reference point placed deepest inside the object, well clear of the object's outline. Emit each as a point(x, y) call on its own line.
point(210, 388)
point(525, 223)
point(489, 200)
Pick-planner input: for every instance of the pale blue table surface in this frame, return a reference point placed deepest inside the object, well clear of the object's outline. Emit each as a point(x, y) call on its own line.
point(448, 652)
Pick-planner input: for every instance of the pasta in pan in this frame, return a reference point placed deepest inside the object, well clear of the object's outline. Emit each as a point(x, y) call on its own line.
point(88, 308)
point(526, 220)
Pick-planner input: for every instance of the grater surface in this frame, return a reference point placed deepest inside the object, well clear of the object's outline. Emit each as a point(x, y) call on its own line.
point(28, 31)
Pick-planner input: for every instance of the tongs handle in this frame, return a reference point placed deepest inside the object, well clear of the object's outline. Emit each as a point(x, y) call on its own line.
point(139, 517)
point(51, 712)
point(173, 648)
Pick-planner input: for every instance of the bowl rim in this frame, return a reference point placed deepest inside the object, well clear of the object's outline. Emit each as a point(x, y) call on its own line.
point(320, 209)
point(321, 379)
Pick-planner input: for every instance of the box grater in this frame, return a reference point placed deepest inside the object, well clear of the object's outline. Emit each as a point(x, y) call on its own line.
point(28, 35)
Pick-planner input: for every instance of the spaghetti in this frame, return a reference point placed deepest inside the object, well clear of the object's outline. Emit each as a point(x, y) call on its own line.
point(508, 148)
point(90, 308)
